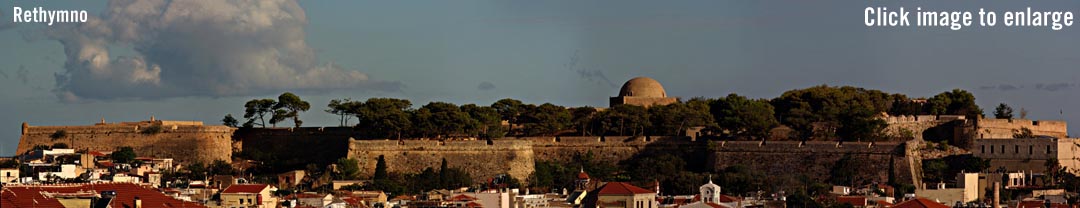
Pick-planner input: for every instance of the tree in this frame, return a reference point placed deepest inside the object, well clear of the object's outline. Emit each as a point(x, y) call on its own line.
point(800, 199)
point(1003, 111)
point(859, 123)
point(342, 108)
point(383, 117)
point(279, 116)
point(292, 105)
point(546, 119)
point(220, 167)
point(486, 122)
point(955, 102)
point(257, 109)
point(621, 120)
point(818, 111)
point(935, 170)
point(196, 170)
point(1024, 132)
point(443, 171)
point(581, 117)
point(673, 119)
point(230, 121)
point(348, 169)
point(124, 154)
point(441, 119)
point(380, 169)
point(508, 109)
point(740, 116)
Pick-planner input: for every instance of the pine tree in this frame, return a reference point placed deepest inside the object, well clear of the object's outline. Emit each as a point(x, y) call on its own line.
point(380, 169)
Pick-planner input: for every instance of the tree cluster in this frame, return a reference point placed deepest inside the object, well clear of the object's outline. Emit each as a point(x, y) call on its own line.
point(820, 112)
point(428, 179)
point(287, 106)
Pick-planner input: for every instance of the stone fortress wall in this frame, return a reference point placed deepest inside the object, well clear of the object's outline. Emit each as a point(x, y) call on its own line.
point(789, 160)
point(191, 142)
point(517, 156)
point(184, 141)
point(916, 125)
point(1005, 128)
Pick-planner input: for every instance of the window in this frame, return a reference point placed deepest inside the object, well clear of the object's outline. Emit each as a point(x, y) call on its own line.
point(241, 201)
point(1031, 149)
point(1017, 147)
point(983, 148)
point(1003, 149)
point(1047, 149)
point(991, 149)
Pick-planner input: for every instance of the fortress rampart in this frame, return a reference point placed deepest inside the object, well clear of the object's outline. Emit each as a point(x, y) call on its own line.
point(295, 148)
point(517, 156)
point(1005, 128)
point(184, 143)
point(814, 159)
point(477, 157)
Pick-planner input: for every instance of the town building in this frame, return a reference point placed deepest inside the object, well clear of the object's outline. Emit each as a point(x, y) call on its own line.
point(620, 194)
point(1029, 154)
point(248, 195)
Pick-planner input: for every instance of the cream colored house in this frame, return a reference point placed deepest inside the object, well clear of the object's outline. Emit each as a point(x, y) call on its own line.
point(248, 195)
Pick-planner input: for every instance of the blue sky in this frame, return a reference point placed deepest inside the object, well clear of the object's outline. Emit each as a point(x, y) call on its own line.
point(571, 53)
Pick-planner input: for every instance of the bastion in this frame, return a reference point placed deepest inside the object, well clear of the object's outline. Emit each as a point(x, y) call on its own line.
point(184, 141)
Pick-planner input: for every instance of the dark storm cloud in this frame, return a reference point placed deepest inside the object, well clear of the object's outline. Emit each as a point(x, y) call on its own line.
point(196, 48)
point(1053, 87)
point(486, 86)
point(1001, 87)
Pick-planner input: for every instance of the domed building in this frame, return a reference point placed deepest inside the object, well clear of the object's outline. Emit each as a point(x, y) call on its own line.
point(642, 91)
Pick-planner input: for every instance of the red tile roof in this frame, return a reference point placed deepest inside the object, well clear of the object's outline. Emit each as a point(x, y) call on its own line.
point(858, 201)
point(620, 188)
point(728, 199)
point(462, 197)
point(884, 203)
point(35, 196)
point(920, 203)
point(245, 188)
point(96, 153)
point(715, 205)
point(1039, 204)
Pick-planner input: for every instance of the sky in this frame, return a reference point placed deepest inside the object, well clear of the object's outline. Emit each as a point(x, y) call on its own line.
point(200, 60)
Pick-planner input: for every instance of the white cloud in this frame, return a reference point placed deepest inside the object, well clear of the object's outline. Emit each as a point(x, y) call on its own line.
point(196, 48)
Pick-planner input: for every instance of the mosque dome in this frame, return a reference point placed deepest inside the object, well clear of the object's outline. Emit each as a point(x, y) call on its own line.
point(642, 87)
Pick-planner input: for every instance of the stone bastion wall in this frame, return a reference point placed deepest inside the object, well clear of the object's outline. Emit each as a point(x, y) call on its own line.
point(517, 156)
point(183, 143)
point(814, 160)
point(298, 147)
point(513, 156)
